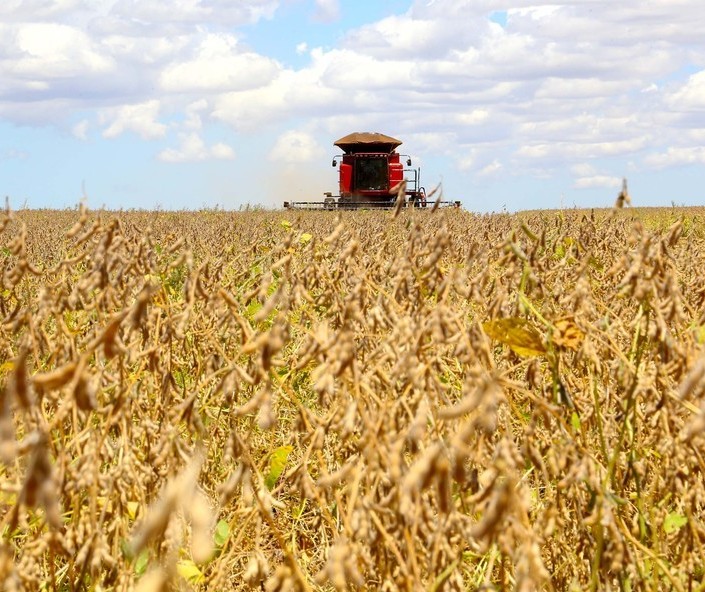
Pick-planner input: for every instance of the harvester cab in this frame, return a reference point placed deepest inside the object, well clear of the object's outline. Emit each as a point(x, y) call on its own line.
point(371, 174)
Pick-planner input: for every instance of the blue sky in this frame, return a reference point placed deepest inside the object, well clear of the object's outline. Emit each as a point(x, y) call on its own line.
point(196, 103)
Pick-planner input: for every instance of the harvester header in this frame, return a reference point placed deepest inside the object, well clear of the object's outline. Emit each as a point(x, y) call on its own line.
point(371, 174)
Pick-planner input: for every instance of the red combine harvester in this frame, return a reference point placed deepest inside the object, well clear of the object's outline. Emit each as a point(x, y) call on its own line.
point(371, 175)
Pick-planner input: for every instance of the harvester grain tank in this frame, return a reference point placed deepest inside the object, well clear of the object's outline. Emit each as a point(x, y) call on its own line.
point(371, 174)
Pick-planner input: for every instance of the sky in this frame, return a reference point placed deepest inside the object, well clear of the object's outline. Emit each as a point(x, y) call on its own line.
point(508, 105)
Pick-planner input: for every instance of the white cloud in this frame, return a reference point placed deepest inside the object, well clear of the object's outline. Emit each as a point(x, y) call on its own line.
point(465, 163)
point(80, 130)
point(290, 94)
point(691, 96)
point(296, 146)
point(228, 12)
point(578, 88)
point(48, 51)
point(141, 50)
point(567, 151)
point(222, 151)
point(218, 65)
point(193, 115)
point(539, 13)
point(491, 169)
point(141, 118)
point(597, 181)
point(37, 10)
point(192, 148)
point(583, 169)
point(676, 156)
point(410, 38)
point(327, 10)
point(349, 70)
point(561, 85)
point(473, 117)
point(587, 176)
point(561, 125)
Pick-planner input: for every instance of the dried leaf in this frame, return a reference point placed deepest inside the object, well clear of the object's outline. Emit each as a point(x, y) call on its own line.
point(567, 334)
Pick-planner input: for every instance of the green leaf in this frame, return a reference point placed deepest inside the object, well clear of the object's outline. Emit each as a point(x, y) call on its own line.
point(252, 309)
point(222, 531)
point(141, 562)
point(674, 522)
point(518, 334)
point(575, 421)
point(276, 465)
point(189, 571)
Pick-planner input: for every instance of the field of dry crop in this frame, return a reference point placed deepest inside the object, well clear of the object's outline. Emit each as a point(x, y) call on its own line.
point(313, 401)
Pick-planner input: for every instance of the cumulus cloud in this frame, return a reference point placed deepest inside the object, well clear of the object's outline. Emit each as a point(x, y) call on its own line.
point(192, 148)
point(141, 118)
point(42, 53)
point(587, 176)
point(558, 84)
point(295, 146)
point(690, 96)
point(291, 94)
point(194, 111)
point(473, 117)
point(528, 85)
point(229, 12)
point(597, 181)
point(219, 65)
point(37, 10)
point(490, 170)
point(676, 156)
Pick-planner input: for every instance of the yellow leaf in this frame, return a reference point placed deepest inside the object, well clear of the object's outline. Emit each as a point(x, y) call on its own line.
point(189, 571)
point(285, 223)
point(132, 508)
point(104, 503)
point(7, 367)
point(305, 238)
point(518, 334)
point(276, 465)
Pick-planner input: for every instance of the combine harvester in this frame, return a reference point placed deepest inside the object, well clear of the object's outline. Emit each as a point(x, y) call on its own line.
point(371, 175)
